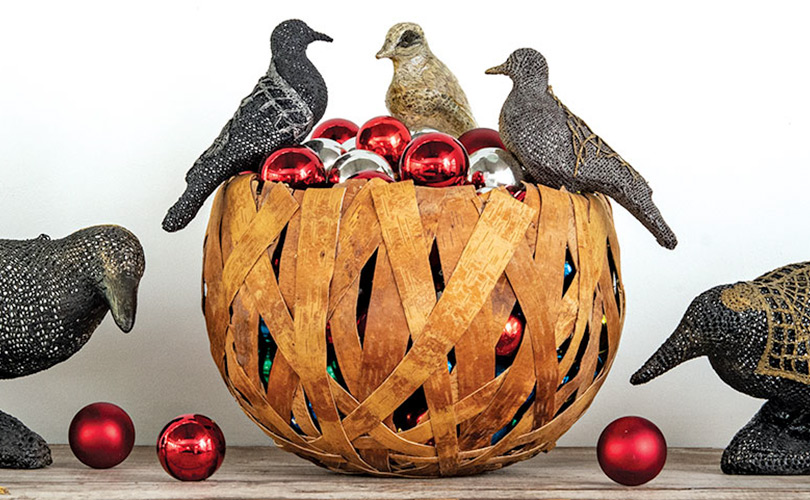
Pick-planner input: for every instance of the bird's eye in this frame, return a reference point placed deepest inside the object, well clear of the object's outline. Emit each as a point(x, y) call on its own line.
point(408, 39)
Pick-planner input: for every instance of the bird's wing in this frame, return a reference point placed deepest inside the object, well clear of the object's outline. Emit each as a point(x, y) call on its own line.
point(586, 144)
point(271, 115)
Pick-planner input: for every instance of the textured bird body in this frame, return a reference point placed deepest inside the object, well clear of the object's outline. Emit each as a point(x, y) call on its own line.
point(53, 295)
point(423, 92)
point(281, 110)
point(558, 149)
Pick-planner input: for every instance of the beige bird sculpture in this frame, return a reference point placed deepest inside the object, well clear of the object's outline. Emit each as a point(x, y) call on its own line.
point(423, 93)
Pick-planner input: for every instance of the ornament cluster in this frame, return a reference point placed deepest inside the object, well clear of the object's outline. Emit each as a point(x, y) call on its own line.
point(384, 148)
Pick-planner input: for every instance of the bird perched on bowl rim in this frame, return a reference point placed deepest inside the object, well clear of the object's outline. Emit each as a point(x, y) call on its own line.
point(282, 109)
point(558, 149)
point(423, 93)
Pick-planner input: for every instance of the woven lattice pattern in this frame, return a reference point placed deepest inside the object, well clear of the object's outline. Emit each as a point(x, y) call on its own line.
point(329, 310)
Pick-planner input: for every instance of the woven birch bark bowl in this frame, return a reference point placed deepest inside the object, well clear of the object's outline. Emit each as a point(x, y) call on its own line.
point(330, 310)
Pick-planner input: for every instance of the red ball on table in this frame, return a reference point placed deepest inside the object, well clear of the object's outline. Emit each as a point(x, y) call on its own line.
point(386, 136)
point(631, 450)
point(297, 166)
point(191, 447)
point(435, 159)
point(479, 138)
point(101, 435)
point(337, 129)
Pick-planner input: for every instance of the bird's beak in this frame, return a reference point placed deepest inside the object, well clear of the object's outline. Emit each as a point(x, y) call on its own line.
point(320, 36)
point(385, 52)
point(121, 293)
point(497, 70)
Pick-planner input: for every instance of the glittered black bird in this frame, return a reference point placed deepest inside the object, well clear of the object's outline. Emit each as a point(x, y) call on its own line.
point(282, 109)
point(53, 295)
point(756, 335)
point(558, 149)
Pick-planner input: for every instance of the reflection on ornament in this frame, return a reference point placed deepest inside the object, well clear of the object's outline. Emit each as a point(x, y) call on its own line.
point(336, 129)
point(350, 144)
point(296, 166)
point(326, 149)
point(191, 447)
point(350, 164)
point(436, 160)
point(479, 138)
point(494, 167)
point(386, 136)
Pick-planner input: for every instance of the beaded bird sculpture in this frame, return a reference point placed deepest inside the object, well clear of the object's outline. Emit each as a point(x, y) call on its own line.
point(53, 295)
point(423, 92)
point(558, 149)
point(756, 335)
point(281, 110)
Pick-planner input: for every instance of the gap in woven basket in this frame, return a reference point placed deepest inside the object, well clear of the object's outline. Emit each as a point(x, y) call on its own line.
point(569, 270)
point(601, 359)
point(275, 260)
point(506, 352)
point(267, 352)
point(436, 270)
point(364, 295)
point(500, 434)
point(411, 412)
point(574, 370)
point(563, 349)
point(332, 365)
point(568, 402)
point(614, 276)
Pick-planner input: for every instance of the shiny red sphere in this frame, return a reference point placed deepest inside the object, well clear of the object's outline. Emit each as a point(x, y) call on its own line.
point(337, 129)
point(386, 136)
point(372, 174)
point(631, 450)
point(297, 166)
point(479, 138)
point(191, 447)
point(511, 335)
point(435, 159)
point(101, 435)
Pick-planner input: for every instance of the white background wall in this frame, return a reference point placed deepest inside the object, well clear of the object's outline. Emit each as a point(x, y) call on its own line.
point(104, 106)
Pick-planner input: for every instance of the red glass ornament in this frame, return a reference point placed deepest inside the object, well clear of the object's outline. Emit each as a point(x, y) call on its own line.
point(372, 174)
point(631, 450)
point(511, 335)
point(337, 129)
point(101, 435)
point(435, 159)
point(191, 447)
point(297, 166)
point(386, 136)
point(479, 138)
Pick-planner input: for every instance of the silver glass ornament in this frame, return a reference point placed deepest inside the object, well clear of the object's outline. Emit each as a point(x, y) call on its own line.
point(326, 149)
point(349, 144)
point(494, 167)
point(356, 161)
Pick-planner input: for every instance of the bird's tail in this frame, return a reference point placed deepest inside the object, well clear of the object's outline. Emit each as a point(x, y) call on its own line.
point(201, 181)
point(654, 222)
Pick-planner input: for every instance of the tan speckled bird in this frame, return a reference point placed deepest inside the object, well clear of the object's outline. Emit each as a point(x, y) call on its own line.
point(423, 92)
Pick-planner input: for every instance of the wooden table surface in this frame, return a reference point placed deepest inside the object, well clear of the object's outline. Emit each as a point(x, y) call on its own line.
point(268, 473)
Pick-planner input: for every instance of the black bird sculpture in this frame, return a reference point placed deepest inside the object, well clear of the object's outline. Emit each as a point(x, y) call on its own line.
point(281, 110)
point(558, 149)
point(756, 335)
point(53, 295)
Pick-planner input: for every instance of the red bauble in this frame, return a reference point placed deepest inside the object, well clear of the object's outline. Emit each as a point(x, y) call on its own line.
point(297, 166)
point(191, 447)
point(386, 136)
point(435, 159)
point(372, 174)
point(101, 435)
point(511, 335)
point(479, 138)
point(337, 129)
point(631, 451)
